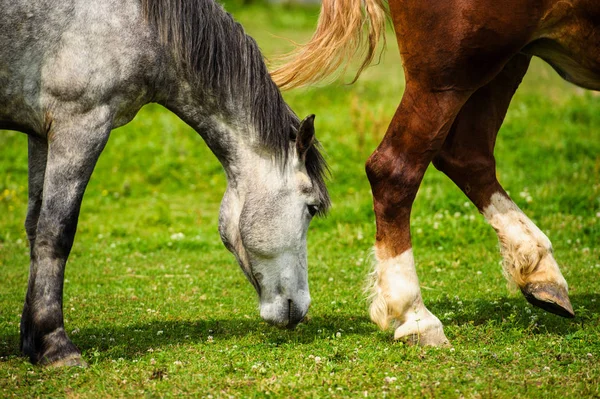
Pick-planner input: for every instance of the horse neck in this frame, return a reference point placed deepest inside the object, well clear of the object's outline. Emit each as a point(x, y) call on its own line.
point(220, 131)
point(229, 133)
point(219, 84)
point(228, 123)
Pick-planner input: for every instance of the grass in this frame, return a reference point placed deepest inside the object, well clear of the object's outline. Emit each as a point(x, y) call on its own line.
point(158, 313)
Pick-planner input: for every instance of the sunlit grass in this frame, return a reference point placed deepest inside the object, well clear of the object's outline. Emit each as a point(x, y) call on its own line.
point(159, 307)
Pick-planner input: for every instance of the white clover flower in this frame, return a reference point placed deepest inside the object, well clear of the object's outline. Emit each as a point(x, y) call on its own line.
point(177, 236)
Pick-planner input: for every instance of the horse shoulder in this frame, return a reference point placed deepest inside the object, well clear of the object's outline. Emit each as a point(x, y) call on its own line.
point(101, 58)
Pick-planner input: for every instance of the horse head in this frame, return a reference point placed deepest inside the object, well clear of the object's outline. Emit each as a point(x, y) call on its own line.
point(264, 219)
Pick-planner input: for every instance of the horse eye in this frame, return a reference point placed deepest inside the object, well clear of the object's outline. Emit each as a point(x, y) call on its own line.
point(313, 209)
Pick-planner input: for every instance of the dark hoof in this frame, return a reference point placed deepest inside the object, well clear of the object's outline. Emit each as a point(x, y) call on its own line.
point(550, 297)
point(56, 350)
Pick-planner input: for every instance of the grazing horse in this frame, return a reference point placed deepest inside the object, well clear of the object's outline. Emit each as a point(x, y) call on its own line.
point(73, 70)
point(463, 61)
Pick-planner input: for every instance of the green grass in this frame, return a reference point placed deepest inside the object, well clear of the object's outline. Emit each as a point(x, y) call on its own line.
point(160, 316)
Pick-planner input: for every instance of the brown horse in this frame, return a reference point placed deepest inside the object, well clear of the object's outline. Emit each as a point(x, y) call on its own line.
point(463, 61)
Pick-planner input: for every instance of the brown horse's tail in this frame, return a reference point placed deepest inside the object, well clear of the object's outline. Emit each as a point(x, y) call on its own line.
point(340, 35)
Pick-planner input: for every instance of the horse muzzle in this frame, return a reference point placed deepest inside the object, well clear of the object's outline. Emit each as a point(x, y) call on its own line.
point(285, 312)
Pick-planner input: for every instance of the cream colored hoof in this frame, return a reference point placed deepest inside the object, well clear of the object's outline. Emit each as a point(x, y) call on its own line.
point(423, 332)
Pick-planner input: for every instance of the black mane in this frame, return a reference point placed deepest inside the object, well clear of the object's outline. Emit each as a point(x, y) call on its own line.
point(222, 60)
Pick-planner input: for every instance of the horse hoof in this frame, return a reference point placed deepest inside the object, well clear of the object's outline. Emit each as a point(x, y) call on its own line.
point(551, 297)
point(427, 332)
point(69, 361)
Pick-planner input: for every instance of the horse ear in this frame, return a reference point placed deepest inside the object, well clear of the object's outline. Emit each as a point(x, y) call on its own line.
point(306, 136)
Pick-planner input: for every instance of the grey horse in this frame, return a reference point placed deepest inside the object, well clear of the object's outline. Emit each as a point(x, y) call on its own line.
point(73, 70)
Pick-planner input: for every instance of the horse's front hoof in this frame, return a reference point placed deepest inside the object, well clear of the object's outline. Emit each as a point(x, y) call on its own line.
point(57, 350)
point(69, 361)
point(551, 297)
point(425, 332)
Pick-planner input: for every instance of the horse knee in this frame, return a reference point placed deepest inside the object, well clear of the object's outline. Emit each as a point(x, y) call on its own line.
point(391, 177)
point(377, 166)
point(53, 246)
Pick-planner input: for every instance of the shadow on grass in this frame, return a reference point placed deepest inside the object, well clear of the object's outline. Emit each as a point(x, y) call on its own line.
point(517, 312)
point(135, 340)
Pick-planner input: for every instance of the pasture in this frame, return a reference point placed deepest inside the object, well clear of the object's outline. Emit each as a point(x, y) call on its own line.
point(160, 308)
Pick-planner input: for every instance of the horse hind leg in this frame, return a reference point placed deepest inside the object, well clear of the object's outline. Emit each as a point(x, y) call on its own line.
point(467, 158)
point(72, 154)
point(528, 258)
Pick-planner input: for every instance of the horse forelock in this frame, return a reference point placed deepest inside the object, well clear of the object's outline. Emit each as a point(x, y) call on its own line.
point(221, 60)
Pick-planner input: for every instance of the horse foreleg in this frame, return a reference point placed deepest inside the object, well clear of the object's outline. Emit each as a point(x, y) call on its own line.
point(467, 157)
point(73, 150)
point(37, 154)
point(395, 171)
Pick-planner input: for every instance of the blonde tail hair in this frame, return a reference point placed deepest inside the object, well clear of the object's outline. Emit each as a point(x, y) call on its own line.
point(339, 36)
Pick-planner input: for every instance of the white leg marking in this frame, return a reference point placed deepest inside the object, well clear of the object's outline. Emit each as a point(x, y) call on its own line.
point(396, 295)
point(526, 250)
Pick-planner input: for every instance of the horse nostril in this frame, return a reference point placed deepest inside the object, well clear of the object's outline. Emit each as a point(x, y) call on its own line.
point(295, 316)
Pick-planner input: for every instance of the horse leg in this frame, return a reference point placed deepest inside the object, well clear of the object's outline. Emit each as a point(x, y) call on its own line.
point(395, 171)
point(467, 157)
point(38, 154)
point(72, 152)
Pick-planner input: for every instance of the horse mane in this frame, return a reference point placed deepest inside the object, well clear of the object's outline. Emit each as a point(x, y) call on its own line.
point(220, 58)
